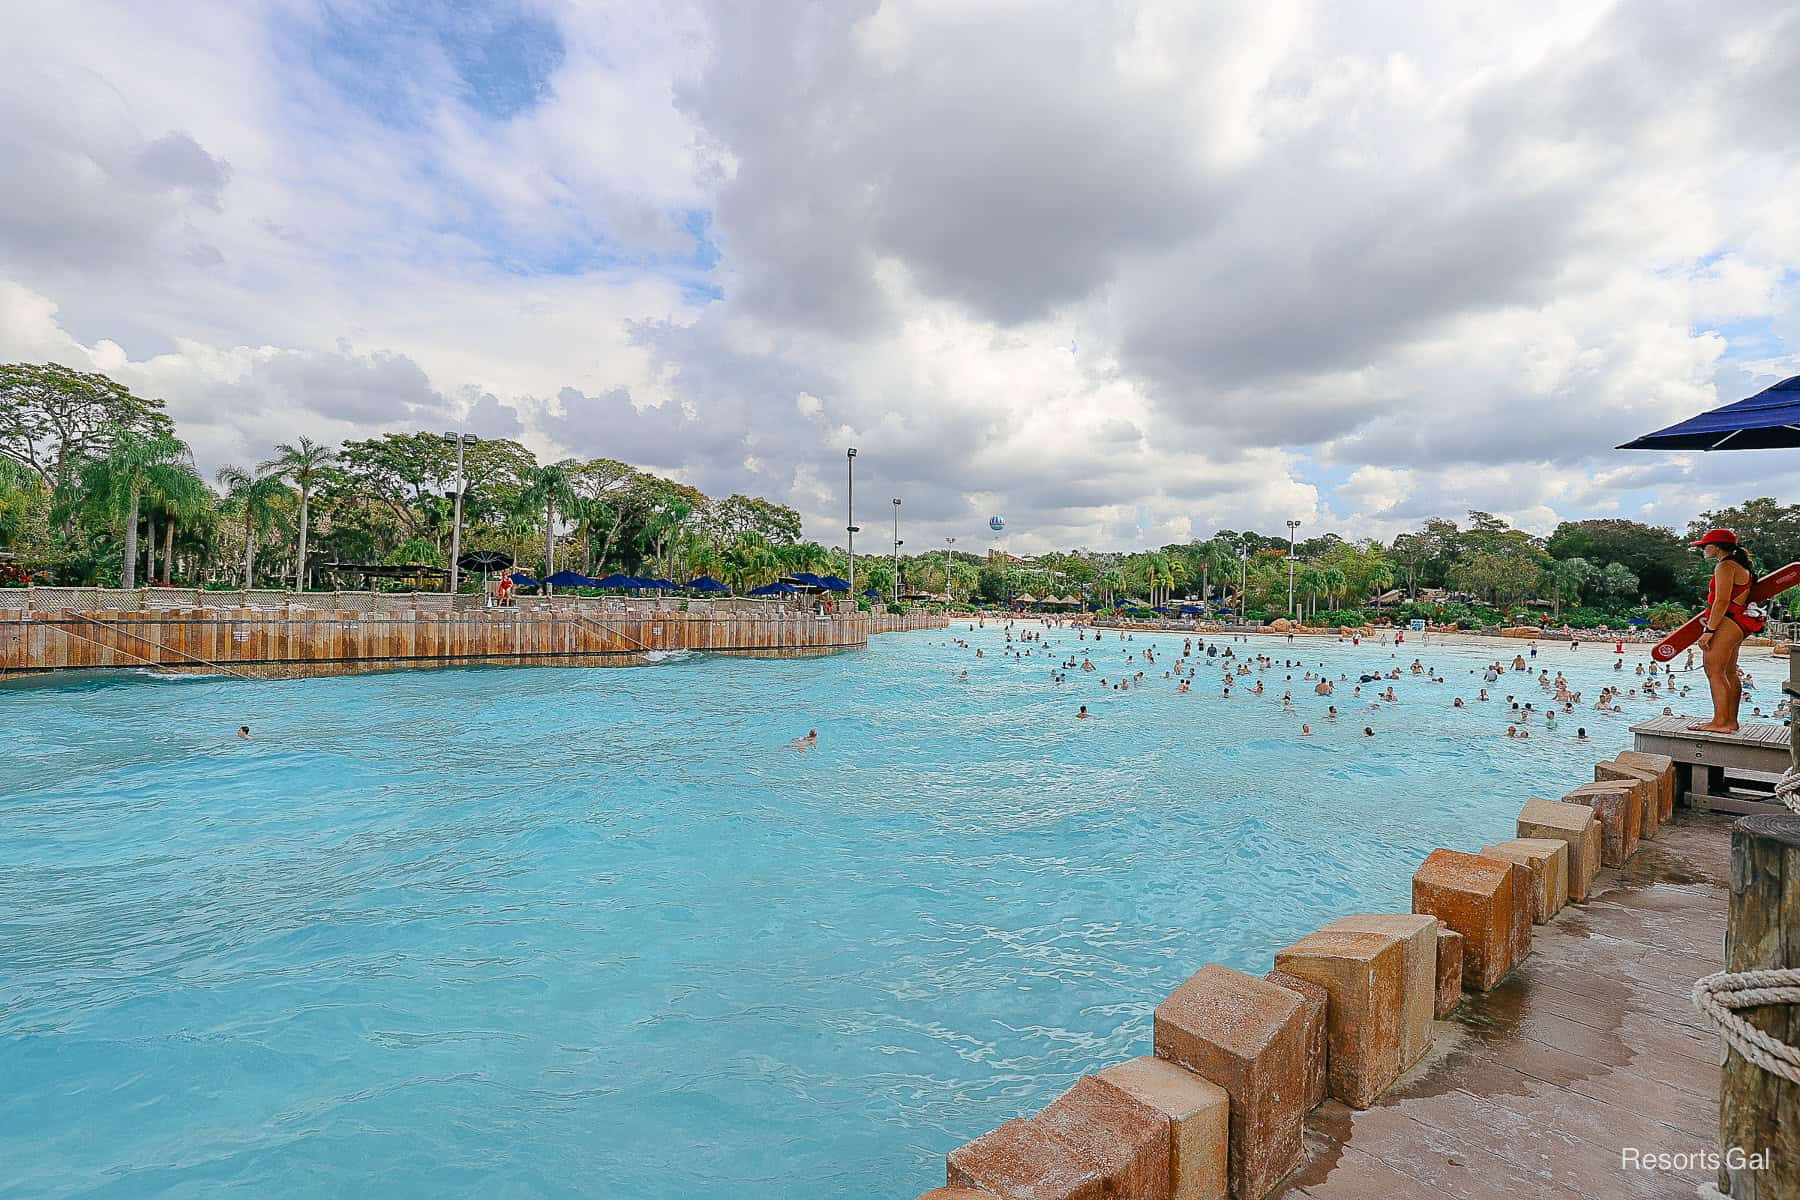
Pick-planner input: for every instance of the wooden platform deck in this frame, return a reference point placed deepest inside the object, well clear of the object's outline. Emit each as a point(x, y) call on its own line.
point(1726, 772)
point(1589, 1048)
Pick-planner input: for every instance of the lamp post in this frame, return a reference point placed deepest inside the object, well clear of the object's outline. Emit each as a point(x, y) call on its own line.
point(897, 544)
point(1292, 525)
point(948, 589)
point(461, 440)
point(850, 517)
point(1243, 577)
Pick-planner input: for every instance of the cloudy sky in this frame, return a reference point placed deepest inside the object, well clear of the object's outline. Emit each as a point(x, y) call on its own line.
point(1126, 273)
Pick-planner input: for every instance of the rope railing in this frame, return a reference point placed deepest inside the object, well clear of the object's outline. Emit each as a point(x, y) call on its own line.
point(152, 642)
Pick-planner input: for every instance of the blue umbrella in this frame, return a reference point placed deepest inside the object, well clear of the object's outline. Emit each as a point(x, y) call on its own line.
point(832, 583)
point(659, 584)
point(774, 589)
point(873, 594)
point(520, 577)
point(616, 580)
point(1769, 420)
point(807, 578)
point(569, 579)
point(706, 583)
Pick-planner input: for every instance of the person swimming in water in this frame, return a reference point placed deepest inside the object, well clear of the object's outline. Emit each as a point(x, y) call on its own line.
point(805, 743)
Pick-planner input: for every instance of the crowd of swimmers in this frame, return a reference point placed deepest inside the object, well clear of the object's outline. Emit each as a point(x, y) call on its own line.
point(1243, 671)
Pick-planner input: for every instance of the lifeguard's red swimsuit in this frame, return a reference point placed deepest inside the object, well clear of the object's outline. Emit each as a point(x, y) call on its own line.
point(1735, 608)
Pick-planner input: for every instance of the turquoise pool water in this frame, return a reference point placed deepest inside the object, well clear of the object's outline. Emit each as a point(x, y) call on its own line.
point(596, 933)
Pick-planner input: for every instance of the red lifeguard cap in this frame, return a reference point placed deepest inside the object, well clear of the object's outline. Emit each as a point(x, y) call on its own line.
point(1717, 537)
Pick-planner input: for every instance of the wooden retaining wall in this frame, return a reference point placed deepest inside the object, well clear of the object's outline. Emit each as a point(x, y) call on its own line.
point(297, 644)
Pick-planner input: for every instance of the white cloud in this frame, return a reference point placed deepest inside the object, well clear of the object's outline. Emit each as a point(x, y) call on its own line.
point(1124, 273)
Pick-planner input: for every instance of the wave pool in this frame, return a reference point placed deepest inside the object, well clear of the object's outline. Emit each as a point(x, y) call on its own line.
point(566, 932)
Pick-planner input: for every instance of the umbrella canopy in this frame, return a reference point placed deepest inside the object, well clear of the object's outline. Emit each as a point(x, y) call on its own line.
point(616, 580)
point(774, 589)
point(1769, 420)
point(873, 594)
point(706, 583)
point(804, 577)
point(832, 583)
point(485, 560)
point(1190, 610)
point(659, 584)
point(569, 579)
point(1025, 598)
point(520, 577)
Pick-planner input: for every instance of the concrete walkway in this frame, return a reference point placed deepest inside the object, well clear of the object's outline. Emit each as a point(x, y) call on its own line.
point(1589, 1048)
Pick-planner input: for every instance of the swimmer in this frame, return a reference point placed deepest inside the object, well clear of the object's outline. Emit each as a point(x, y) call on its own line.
point(805, 743)
point(244, 732)
point(1368, 732)
point(1083, 713)
point(1581, 734)
point(1305, 730)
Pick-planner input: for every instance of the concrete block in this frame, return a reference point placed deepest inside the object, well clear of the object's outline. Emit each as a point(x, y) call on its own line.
point(1365, 975)
point(1664, 767)
point(1094, 1142)
point(1249, 1037)
point(1127, 1139)
point(1548, 861)
point(1616, 805)
point(1022, 1160)
point(956, 1193)
point(1418, 934)
point(1648, 806)
point(1199, 1114)
point(1576, 826)
point(1476, 897)
point(1317, 1052)
point(1449, 970)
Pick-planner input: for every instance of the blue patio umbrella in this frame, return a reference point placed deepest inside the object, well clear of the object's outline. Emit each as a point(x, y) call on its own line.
point(569, 579)
point(807, 578)
point(615, 580)
point(832, 583)
point(520, 578)
point(1190, 610)
point(661, 585)
point(706, 583)
point(1769, 420)
point(873, 593)
point(774, 589)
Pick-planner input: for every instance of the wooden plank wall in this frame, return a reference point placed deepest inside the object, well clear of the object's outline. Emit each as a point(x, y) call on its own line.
point(257, 642)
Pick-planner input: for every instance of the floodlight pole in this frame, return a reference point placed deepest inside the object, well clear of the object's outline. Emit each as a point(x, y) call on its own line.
point(461, 439)
point(897, 544)
point(1292, 525)
point(850, 518)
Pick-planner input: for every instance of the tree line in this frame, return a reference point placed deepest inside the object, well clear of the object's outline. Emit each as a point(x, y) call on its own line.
point(97, 488)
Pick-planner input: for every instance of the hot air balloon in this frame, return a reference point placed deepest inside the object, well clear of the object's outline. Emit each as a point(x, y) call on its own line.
point(996, 523)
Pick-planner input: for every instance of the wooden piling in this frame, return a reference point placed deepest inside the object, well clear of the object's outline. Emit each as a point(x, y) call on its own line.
point(1758, 1110)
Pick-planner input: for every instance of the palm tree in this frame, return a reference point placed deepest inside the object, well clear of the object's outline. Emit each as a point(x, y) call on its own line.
point(1334, 581)
point(180, 497)
point(550, 490)
point(750, 561)
point(304, 465)
point(134, 462)
point(1214, 556)
point(253, 496)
